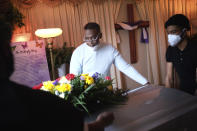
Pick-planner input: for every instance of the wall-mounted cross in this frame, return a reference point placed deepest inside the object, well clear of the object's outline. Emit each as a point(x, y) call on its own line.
point(132, 43)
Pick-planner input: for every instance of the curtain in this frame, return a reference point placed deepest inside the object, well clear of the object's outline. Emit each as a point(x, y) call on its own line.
point(157, 12)
point(72, 18)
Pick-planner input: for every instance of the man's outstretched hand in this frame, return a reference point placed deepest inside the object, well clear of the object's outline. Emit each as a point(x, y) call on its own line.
point(148, 83)
point(103, 119)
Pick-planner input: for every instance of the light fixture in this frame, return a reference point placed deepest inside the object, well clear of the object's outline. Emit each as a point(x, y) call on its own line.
point(22, 37)
point(49, 34)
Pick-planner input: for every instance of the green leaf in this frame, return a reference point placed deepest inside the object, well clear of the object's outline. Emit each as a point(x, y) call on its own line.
point(89, 88)
point(82, 104)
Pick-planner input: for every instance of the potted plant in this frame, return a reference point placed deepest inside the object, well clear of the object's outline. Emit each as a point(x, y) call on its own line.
point(61, 60)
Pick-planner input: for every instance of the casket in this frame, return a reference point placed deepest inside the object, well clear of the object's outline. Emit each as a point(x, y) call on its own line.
point(154, 108)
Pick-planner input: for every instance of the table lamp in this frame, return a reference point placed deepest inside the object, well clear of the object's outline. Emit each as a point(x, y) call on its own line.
point(49, 34)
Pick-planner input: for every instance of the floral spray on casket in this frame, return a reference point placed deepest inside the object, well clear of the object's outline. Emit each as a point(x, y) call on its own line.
point(84, 91)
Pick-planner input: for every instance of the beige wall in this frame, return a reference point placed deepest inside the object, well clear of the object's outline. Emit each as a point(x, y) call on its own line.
point(125, 50)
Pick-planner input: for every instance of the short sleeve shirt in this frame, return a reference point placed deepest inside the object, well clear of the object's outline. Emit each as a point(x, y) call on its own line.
point(185, 63)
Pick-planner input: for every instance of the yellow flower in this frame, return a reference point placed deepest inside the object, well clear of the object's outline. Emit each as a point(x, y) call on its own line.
point(89, 80)
point(48, 85)
point(68, 87)
point(85, 76)
point(63, 87)
point(86, 86)
point(110, 88)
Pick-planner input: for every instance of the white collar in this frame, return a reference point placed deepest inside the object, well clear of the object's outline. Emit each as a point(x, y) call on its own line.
point(95, 48)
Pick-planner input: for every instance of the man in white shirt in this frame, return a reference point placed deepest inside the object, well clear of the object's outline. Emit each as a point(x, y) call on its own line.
point(94, 56)
point(27, 109)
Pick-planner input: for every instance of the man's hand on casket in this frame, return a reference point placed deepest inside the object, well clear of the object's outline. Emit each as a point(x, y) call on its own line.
point(103, 119)
point(148, 83)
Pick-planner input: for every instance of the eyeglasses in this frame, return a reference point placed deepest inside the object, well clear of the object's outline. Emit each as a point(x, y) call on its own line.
point(90, 39)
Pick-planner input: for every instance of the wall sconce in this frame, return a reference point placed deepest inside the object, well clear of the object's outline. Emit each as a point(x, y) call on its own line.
point(22, 37)
point(49, 34)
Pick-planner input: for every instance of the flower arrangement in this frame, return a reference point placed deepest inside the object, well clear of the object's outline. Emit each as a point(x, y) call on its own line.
point(85, 91)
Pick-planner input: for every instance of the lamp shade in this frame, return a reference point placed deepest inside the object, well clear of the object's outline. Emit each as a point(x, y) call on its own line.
point(48, 33)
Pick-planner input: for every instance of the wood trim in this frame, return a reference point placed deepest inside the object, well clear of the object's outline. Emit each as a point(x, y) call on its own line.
point(132, 43)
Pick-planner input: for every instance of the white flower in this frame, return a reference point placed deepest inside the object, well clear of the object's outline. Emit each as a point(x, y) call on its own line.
point(64, 80)
point(62, 95)
point(44, 89)
point(57, 93)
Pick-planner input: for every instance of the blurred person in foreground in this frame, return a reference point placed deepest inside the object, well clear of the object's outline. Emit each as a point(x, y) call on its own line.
point(24, 108)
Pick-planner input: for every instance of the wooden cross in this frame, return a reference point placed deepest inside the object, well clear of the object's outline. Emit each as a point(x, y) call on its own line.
point(132, 43)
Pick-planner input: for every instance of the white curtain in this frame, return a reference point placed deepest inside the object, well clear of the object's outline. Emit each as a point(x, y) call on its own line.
point(157, 12)
point(72, 18)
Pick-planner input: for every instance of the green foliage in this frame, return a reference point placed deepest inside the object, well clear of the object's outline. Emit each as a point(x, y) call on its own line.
point(63, 55)
point(60, 56)
point(96, 95)
point(90, 97)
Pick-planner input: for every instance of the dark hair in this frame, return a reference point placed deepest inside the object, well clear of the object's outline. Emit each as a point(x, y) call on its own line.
point(179, 20)
point(92, 26)
point(5, 34)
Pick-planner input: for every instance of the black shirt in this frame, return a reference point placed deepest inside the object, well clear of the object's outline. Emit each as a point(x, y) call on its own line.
point(185, 64)
point(24, 108)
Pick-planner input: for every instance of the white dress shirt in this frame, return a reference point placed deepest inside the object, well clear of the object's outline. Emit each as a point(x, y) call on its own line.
point(88, 60)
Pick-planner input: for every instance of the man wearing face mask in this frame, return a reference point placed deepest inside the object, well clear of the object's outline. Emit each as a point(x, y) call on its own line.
point(95, 56)
point(181, 53)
